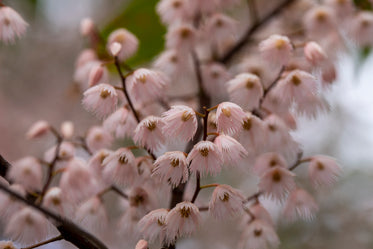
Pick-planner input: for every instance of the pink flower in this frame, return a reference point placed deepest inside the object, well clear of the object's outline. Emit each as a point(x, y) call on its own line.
point(259, 235)
point(28, 172)
point(66, 152)
point(129, 43)
point(95, 163)
point(142, 244)
point(261, 213)
point(12, 25)
point(231, 150)
point(83, 72)
point(39, 129)
point(314, 53)
point(172, 11)
point(87, 55)
point(149, 133)
point(180, 121)
point(229, 118)
point(174, 63)
point(172, 166)
point(55, 200)
point(142, 199)
point(121, 123)
point(7, 245)
point(87, 26)
point(225, 202)
point(300, 204)
point(119, 167)
point(67, 129)
point(252, 132)
point(98, 138)
point(101, 100)
point(153, 225)
point(219, 26)
point(145, 84)
point(362, 26)
point(9, 205)
point(78, 176)
point(276, 50)
point(181, 37)
point(182, 220)
point(98, 74)
point(92, 215)
point(267, 161)
point(277, 182)
point(323, 171)
point(320, 21)
point(27, 227)
point(246, 90)
point(205, 158)
point(214, 76)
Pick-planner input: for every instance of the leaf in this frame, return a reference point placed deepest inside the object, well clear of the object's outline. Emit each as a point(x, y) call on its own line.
point(140, 18)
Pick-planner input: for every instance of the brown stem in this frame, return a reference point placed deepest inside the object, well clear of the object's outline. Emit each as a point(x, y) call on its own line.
point(44, 242)
point(250, 31)
point(69, 231)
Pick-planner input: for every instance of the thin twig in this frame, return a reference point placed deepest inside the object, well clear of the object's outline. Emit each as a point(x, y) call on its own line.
point(44, 242)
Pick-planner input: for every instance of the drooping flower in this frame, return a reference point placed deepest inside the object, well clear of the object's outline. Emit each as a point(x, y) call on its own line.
point(9, 205)
point(145, 84)
point(314, 53)
point(56, 201)
point(172, 11)
point(119, 167)
point(12, 25)
point(92, 215)
point(276, 50)
point(267, 161)
point(7, 245)
point(205, 158)
point(153, 225)
point(219, 27)
point(214, 76)
point(148, 133)
point(300, 204)
point(231, 150)
point(27, 172)
point(129, 43)
point(98, 138)
point(172, 166)
point(320, 21)
point(38, 129)
point(101, 100)
point(259, 235)
point(225, 202)
point(181, 37)
point(277, 182)
point(182, 220)
point(246, 90)
point(323, 171)
point(121, 123)
point(229, 118)
point(180, 122)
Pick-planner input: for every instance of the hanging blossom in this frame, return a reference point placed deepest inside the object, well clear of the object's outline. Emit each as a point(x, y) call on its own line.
point(148, 133)
point(300, 204)
point(205, 157)
point(153, 225)
point(225, 202)
point(231, 150)
point(12, 25)
point(229, 118)
point(127, 41)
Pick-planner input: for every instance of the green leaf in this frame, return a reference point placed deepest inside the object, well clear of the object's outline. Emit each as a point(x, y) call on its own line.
point(140, 18)
point(363, 4)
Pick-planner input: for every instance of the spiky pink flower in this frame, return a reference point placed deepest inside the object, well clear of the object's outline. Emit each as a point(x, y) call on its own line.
point(219, 27)
point(259, 235)
point(12, 25)
point(214, 76)
point(38, 129)
point(78, 176)
point(119, 167)
point(276, 50)
point(300, 204)
point(231, 150)
point(314, 53)
point(267, 161)
point(85, 56)
point(320, 21)
point(9, 205)
point(55, 200)
point(121, 123)
point(98, 138)
point(145, 84)
point(323, 171)
point(95, 163)
point(7, 245)
point(66, 152)
point(149, 133)
point(277, 182)
point(361, 27)
point(142, 244)
point(252, 132)
point(182, 220)
point(92, 215)
point(153, 225)
point(174, 63)
point(142, 199)
point(82, 73)
point(101, 100)
point(172, 11)
point(180, 122)
point(27, 172)
point(246, 90)
point(343, 8)
point(172, 167)
point(261, 213)
point(27, 227)
point(205, 158)
point(225, 202)
point(128, 41)
point(229, 118)
point(181, 37)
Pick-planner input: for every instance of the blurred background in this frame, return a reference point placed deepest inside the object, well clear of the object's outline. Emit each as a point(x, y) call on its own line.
point(36, 82)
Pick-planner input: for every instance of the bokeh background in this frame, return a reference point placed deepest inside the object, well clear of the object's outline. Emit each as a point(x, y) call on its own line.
point(36, 82)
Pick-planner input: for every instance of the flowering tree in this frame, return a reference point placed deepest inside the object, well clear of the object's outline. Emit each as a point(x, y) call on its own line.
point(213, 100)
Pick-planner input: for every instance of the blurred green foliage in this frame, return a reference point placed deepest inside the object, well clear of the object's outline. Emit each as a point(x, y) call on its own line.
point(140, 17)
point(363, 4)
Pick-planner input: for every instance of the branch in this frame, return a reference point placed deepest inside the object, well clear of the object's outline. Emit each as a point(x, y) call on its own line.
point(44, 242)
point(69, 231)
point(244, 39)
point(4, 166)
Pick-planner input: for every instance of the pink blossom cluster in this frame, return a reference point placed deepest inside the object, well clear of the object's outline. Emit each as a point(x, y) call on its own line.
point(240, 117)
